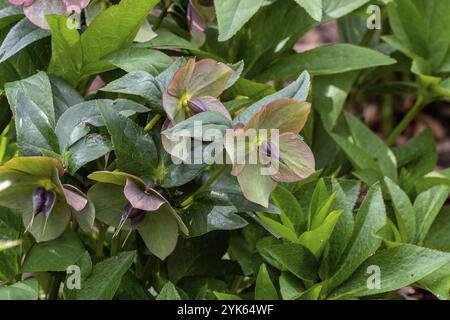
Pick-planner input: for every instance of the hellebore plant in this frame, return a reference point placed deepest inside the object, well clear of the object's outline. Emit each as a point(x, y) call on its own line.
point(290, 195)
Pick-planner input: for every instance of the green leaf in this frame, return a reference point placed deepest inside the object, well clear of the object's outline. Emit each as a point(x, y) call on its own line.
point(10, 230)
point(427, 206)
point(19, 37)
point(196, 257)
point(226, 296)
point(399, 266)
point(347, 192)
point(89, 148)
point(233, 14)
point(169, 292)
point(159, 230)
point(291, 213)
point(23, 290)
point(371, 217)
point(55, 255)
point(296, 259)
point(316, 239)
point(210, 120)
point(67, 55)
point(135, 151)
point(297, 90)
point(280, 230)
point(439, 235)
point(140, 59)
point(338, 8)
point(105, 278)
point(418, 39)
point(264, 288)
point(113, 29)
point(32, 104)
point(326, 60)
point(404, 211)
point(204, 217)
point(313, 7)
point(329, 95)
point(290, 286)
point(9, 15)
point(438, 282)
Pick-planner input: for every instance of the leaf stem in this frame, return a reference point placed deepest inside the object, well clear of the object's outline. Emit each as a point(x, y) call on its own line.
point(418, 106)
point(188, 201)
point(162, 15)
point(152, 123)
point(100, 240)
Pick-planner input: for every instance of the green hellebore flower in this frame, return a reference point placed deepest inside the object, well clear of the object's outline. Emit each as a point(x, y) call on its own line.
point(290, 156)
point(126, 202)
point(33, 186)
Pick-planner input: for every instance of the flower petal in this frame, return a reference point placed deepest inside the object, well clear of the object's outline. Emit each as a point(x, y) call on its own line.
point(207, 103)
point(256, 187)
point(296, 159)
point(209, 78)
point(148, 200)
point(287, 115)
point(40, 8)
point(74, 197)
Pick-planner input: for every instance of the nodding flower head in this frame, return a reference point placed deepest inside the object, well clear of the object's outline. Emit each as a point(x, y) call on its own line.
point(141, 200)
point(195, 88)
point(268, 160)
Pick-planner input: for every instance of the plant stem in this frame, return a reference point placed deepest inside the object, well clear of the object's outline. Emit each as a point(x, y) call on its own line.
point(420, 103)
point(53, 289)
point(206, 185)
point(152, 123)
point(100, 241)
point(162, 15)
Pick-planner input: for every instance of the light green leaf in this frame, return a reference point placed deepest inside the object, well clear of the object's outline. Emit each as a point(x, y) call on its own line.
point(399, 266)
point(140, 59)
point(404, 211)
point(326, 60)
point(291, 213)
point(264, 289)
point(169, 292)
point(67, 56)
point(371, 217)
point(105, 278)
point(316, 239)
point(313, 7)
point(10, 232)
point(233, 14)
point(23, 290)
point(427, 206)
point(296, 259)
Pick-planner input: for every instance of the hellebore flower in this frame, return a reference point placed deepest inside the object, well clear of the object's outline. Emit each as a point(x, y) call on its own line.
point(200, 13)
point(271, 140)
point(126, 202)
point(195, 88)
point(33, 185)
point(37, 10)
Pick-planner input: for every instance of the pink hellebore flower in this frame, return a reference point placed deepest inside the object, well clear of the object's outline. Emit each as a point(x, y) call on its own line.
point(37, 10)
point(291, 158)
